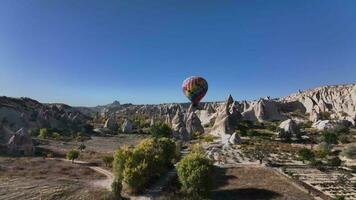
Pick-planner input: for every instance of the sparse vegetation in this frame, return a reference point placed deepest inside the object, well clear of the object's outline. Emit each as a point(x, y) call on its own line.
point(72, 155)
point(349, 152)
point(108, 160)
point(43, 133)
point(306, 155)
point(56, 136)
point(209, 138)
point(82, 147)
point(324, 115)
point(160, 130)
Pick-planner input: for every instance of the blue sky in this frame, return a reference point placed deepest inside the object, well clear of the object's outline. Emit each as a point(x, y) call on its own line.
point(87, 52)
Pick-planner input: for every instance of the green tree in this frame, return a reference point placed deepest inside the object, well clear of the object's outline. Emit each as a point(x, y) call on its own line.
point(56, 136)
point(72, 155)
point(306, 154)
point(160, 130)
point(43, 133)
point(195, 174)
point(148, 160)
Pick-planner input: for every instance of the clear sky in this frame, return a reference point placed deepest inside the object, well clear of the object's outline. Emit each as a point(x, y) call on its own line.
point(86, 52)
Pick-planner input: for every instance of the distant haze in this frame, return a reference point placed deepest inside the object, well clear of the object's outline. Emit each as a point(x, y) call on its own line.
point(91, 53)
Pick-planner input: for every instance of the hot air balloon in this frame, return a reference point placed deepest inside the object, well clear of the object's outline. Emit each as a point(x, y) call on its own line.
point(195, 88)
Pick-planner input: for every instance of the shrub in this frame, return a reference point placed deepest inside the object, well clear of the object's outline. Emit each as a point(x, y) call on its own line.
point(341, 129)
point(317, 164)
point(56, 136)
point(349, 151)
point(107, 160)
point(335, 162)
point(195, 174)
point(116, 188)
point(305, 125)
point(329, 137)
point(345, 139)
point(339, 198)
point(208, 138)
point(324, 115)
point(146, 161)
point(306, 154)
point(120, 158)
point(272, 126)
point(72, 155)
point(43, 133)
point(82, 147)
point(160, 130)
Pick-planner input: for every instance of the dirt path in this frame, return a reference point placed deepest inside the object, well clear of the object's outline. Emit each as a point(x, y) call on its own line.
point(104, 183)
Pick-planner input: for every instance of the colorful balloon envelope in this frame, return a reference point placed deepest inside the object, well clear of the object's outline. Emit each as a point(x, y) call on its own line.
point(195, 88)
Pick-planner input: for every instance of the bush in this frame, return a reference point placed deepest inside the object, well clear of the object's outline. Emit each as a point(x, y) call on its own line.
point(72, 155)
point(160, 130)
point(345, 139)
point(305, 125)
point(116, 188)
point(335, 162)
point(146, 161)
point(108, 160)
point(56, 136)
point(349, 152)
point(306, 154)
point(272, 126)
point(43, 133)
point(82, 147)
point(329, 137)
point(317, 164)
point(195, 174)
point(208, 138)
point(120, 158)
point(324, 116)
point(339, 198)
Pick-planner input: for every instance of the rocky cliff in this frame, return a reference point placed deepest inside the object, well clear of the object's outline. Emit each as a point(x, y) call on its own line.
point(16, 113)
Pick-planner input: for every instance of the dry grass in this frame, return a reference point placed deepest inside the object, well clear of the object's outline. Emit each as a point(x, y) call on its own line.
point(247, 183)
point(38, 178)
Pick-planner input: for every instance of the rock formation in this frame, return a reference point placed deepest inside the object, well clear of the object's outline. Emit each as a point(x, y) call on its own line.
point(226, 122)
point(127, 126)
point(111, 124)
point(21, 143)
point(263, 110)
point(235, 139)
point(290, 129)
point(330, 124)
point(193, 124)
point(179, 127)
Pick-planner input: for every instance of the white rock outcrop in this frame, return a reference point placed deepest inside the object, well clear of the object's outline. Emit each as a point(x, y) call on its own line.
point(226, 121)
point(290, 128)
point(193, 124)
point(21, 143)
point(127, 126)
point(179, 127)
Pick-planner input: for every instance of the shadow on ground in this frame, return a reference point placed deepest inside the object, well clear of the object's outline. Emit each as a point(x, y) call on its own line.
point(245, 194)
point(222, 179)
